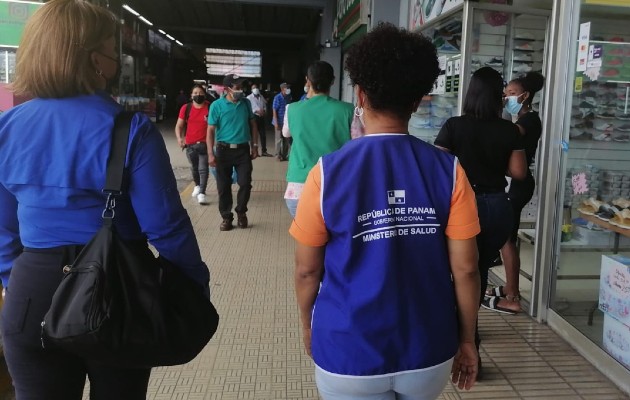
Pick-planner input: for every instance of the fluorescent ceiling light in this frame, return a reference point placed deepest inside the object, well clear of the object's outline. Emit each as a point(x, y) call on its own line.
point(131, 10)
point(170, 37)
point(146, 21)
point(179, 43)
point(162, 32)
point(23, 1)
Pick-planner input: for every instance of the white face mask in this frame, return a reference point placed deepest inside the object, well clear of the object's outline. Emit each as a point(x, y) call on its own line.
point(305, 89)
point(287, 91)
point(256, 91)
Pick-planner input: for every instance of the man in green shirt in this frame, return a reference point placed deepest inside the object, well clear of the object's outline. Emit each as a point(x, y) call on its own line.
point(232, 132)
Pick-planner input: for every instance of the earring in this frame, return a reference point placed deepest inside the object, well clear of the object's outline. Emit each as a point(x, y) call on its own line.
point(99, 73)
point(358, 111)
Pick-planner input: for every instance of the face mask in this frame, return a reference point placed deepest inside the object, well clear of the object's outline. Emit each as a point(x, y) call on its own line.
point(237, 95)
point(512, 105)
point(305, 89)
point(287, 91)
point(256, 91)
point(199, 99)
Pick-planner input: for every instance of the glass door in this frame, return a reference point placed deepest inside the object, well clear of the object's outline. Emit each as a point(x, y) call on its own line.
point(513, 41)
point(591, 282)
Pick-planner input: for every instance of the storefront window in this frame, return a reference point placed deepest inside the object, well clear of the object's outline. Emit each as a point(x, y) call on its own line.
point(7, 65)
point(441, 103)
point(592, 276)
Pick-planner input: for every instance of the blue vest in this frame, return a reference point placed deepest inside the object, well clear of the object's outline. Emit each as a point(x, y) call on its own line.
point(386, 303)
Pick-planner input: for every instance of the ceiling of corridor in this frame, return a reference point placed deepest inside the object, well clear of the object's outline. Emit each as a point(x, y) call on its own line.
point(237, 24)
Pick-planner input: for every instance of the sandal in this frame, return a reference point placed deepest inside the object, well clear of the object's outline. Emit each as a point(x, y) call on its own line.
point(496, 292)
point(492, 303)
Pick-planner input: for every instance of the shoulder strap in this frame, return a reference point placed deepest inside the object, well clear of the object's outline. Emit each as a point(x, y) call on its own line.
point(118, 153)
point(187, 114)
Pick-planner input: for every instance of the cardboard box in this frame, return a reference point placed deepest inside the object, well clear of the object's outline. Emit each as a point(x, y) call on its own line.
point(614, 287)
point(616, 340)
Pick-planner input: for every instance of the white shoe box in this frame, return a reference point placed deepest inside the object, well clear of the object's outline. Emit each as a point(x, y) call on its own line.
point(616, 340)
point(614, 288)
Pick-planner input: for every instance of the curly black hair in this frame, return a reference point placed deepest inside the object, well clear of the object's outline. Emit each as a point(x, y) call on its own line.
point(394, 67)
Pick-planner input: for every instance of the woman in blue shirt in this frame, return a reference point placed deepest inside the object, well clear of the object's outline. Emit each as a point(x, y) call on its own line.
point(53, 153)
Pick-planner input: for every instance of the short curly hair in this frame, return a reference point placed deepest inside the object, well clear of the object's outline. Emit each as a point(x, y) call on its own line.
point(394, 67)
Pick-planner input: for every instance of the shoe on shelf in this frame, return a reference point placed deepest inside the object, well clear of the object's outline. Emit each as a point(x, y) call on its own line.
point(603, 137)
point(524, 47)
point(242, 220)
point(582, 136)
point(495, 62)
point(621, 138)
point(196, 191)
point(605, 127)
point(201, 199)
point(605, 115)
point(522, 67)
point(226, 225)
point(523, 57)
point(624, 128)
point(605, 212)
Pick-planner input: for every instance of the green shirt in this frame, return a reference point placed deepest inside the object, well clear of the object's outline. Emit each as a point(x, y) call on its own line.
point(318, 126)
point(231, 120)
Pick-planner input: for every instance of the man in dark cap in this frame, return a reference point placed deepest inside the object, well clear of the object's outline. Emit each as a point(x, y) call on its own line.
point(233, 133)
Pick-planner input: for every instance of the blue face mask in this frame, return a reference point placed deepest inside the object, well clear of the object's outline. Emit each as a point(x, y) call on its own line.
point(512, 105)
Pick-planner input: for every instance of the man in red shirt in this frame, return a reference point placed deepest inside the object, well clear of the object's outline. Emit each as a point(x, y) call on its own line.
point(190, 132)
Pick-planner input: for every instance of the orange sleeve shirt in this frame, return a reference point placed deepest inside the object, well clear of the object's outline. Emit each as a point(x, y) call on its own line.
point(309, 228)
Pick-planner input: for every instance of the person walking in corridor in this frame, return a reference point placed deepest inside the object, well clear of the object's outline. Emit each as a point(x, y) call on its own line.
point(233, 135)
point(259, 108)
point(190, 131)
point(488, 147)
point(51, 198)
point(318, 126)
point(279, 106)
point(386, 277)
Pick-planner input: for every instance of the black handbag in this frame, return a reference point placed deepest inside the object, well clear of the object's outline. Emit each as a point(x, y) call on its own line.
point(120, 305)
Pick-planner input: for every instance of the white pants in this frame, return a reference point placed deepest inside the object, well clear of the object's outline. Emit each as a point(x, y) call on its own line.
point(424, 384)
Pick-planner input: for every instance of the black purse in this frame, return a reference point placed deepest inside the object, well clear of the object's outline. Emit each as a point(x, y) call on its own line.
point(118, 304)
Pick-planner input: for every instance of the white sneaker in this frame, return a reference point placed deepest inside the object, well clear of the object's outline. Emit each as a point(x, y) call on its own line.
point(196, 191)
point(201, 198)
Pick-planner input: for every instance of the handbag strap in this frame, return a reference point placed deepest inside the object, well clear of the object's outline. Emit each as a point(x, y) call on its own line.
point(118, 153)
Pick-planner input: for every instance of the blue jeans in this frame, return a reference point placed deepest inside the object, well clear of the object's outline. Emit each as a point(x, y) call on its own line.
point(495, 218)
point(425, 384)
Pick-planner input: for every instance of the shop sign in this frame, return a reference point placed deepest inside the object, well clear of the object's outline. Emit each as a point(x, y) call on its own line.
point(13, 16)
point(423, 11)
point(350, 15)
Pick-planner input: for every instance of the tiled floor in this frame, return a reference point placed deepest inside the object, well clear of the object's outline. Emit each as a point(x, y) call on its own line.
point(257, 352)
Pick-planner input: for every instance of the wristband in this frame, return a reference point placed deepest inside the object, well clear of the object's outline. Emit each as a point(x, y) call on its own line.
point(254, 145)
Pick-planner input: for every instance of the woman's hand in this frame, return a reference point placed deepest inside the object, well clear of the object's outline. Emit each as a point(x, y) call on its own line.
point(306, 336)
point(465, 366)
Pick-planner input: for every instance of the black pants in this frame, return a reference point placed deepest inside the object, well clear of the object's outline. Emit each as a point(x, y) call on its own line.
point(45, 373)
point(226, 160)
point(260, 123)
point(198, 157)
point(495, 218)
point(521, 192)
